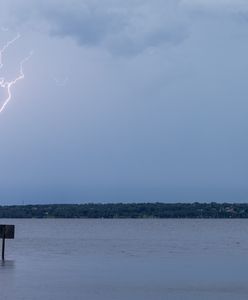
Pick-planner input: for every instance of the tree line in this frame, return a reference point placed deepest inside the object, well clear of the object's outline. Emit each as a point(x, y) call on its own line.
point(127, 210)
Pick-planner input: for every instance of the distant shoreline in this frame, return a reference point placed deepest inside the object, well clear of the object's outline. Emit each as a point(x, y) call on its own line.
point(128, 210)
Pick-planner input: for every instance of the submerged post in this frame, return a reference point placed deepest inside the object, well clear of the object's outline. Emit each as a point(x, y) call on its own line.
point(6, 232)
point(3, 246)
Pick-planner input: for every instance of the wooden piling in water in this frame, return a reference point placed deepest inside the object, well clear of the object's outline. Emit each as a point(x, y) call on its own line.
point(6, 232)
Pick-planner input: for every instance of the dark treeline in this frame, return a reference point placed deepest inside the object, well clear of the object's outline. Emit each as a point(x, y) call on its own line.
point(131, 210)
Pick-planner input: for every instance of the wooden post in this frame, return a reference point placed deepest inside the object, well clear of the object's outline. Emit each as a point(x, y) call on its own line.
point(3, 245)
point(6, 232)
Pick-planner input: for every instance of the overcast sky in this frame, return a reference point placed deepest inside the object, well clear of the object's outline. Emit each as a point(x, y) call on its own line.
point(125, 100)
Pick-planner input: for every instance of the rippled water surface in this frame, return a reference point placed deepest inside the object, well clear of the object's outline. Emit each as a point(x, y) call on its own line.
point(126, 259)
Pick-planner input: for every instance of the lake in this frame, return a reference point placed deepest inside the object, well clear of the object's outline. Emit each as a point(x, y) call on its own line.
point(125, 259)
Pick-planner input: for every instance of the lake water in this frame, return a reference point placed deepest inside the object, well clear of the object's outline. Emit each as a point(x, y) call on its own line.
point(126, 259)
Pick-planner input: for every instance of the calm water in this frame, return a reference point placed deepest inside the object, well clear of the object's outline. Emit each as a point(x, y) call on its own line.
point(126, 259)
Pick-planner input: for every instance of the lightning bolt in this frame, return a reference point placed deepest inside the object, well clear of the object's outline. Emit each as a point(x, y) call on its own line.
point(9, 84)
point(6, 46)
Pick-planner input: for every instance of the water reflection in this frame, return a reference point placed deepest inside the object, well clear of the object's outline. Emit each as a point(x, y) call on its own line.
point(9, 264)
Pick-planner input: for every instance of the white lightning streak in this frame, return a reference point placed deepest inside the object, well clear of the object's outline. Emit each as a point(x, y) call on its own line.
point(6, 46)
point(9, 84)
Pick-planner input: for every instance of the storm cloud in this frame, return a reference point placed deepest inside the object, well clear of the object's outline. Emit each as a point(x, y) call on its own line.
point(126, 101)
point(125, 29)
point(121, 27)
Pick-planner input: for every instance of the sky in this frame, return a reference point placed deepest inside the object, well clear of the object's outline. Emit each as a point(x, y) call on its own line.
point(125, 101)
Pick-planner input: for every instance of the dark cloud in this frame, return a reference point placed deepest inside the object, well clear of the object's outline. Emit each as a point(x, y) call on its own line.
point(123, 30)
point(88, 25)
point(121, 27)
